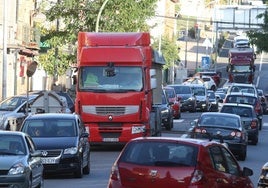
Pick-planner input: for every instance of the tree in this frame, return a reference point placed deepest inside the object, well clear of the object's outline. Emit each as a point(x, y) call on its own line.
point(260, 37)
point(72, 16)
point(169, 50)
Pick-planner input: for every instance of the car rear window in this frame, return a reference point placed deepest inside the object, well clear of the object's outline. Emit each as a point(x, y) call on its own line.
point(241, 111)
point(241, 99)
point(160, 154)
point(219, 120)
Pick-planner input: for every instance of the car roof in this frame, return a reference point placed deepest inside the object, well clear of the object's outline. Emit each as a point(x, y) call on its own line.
point(197, 85)
point(197, 142)
point(178, 85)
point(220, 114)
point(241, 94)
point(237, 104)
point(242, 84)
point(168, 87)
point(18, 133)
point(52, 116)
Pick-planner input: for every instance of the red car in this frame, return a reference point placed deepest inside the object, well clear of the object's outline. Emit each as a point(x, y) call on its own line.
point(174, 100)
point(157, 162)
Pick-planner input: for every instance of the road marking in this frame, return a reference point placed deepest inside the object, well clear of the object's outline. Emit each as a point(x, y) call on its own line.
point(258, 78)
point(178, 120)
point(265, 124)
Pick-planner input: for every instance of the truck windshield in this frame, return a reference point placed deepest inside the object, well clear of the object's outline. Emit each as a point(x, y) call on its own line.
point(121, 79)
point(242, 68)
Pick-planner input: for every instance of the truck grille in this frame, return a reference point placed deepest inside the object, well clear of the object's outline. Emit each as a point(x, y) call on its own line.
point(110, 110)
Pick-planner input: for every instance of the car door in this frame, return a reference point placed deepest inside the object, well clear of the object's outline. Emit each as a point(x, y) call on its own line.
point(83, 141)
point(236, 179)
point(223, 179)
point(34, 162)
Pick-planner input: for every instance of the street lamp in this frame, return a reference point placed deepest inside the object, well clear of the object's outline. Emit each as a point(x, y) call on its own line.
point(99, 15)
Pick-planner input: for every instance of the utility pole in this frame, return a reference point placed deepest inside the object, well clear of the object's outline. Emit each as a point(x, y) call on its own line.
point(56, 54)
point(4, 68)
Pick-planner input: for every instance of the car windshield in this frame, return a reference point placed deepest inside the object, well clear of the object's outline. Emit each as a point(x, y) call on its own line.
point(199, 91)
point(170, 93)
point(12, 103)
point(160, 154)
point(50, 128)
point(182, 90)
point(12, 145)
point(219, 121)
point(106, 79)
point(211, 95)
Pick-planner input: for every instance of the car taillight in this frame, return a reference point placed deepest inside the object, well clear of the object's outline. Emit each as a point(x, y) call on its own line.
point(197, 176)
point(253, 124)
point(115, 173)
point(258, 108)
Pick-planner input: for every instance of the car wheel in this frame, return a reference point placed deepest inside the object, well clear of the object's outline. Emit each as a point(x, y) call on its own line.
point(260, 127)
point(243, 154)
point(86, 169)
point(79, 172)
point(29, 182)
point(255, 140)
point(169, 124)
point(41, 184)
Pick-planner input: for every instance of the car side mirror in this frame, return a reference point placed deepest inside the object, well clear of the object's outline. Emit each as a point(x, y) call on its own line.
point(247, 171)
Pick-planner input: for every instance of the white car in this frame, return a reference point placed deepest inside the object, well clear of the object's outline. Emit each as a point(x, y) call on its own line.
point(206, 81)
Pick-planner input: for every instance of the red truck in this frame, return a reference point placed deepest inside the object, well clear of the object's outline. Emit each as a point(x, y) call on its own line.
point(119, 86)
point(241, 66)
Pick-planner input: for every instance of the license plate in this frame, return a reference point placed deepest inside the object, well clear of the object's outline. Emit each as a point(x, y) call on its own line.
point(48, 160)
point(110, 139)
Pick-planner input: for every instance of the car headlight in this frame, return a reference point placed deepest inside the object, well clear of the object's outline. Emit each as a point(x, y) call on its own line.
point(18, 168)
point(165, 111)
point(72, 150)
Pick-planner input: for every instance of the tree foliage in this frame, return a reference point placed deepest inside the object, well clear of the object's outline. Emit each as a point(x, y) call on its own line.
point(169, 50)
point(71, 16)
point(260, 37)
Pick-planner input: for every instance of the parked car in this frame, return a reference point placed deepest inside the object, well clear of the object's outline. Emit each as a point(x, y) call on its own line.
point(20, 162)
point(263, 99)
point(14, 108)
point(202, 100)
point(222, 127)
point(248, 117)
point(213, 101)
point(166, 112)
point(246, 98)
point(157, 162)
point(174, 101)
point(188, 99)
point(63, 141)
point(263, 179)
